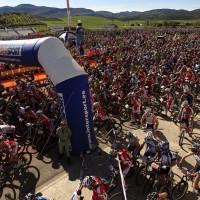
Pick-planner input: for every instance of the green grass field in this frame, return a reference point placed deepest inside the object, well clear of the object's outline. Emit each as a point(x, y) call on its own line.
point(90, 22)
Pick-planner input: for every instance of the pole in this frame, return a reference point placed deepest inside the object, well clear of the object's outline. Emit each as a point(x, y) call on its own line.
point(68, 16)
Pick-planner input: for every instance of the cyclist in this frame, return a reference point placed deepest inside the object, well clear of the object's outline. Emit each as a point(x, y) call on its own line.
point(126, 160)
point(44, 120)
point(136, 106)
point(186, 116)
point(151, 121)
point(9, 146)
point(168, 160)
point(133, 143)
point(152, 145)
point(95, 184)
point(170, 100)
point(157, 196)
point(195, 152)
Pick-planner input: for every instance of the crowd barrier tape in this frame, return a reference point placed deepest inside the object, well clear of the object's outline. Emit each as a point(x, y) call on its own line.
point(80, 179)
point(122, 178)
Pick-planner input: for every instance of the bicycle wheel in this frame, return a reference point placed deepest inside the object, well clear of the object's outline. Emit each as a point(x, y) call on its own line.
point(111, 183)
point(149, 185)
point(24, 159)
point(125, 116)
point(8, 192)
point(141, 175)
point(133, 169)
point(179, 190)
point(2, 178)
point(165, 189)
point(181, 137)
point(118, 127)
point(117, 196)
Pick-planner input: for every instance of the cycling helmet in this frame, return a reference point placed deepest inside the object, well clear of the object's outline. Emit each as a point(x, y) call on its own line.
point(39, 112)
point(171, 75)
point(12, 127)
point(195, 148)
point(27, 108)
point(185, 103)
point(167, 89)
point(165, 146)
point(164, 76)
point(129, 134)
point(149, 135)
point(130, 94)
point(148, 111)
point(152, 196)
point(188, 69)
point(1, 138)
point(95, 105)
point(87, 181)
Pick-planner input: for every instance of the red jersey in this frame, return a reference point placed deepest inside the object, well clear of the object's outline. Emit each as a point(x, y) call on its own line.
point(99, 191)
point(33, 115)
point(124, 156)
point(45, 120)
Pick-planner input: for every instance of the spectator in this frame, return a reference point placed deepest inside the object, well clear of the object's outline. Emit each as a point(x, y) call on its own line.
point(64, 134)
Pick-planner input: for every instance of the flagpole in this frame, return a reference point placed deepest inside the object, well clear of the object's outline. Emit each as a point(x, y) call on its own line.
point(68, 15)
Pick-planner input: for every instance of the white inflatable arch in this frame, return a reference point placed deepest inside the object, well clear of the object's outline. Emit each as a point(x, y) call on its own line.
point(69, 79)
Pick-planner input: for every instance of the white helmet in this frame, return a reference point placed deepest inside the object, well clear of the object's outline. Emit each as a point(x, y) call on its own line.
point(148, 111)
point(12, 127)
point(95, 105)
point(185, 103)
point(87, 181)
point(149, 135)
point(167, 90)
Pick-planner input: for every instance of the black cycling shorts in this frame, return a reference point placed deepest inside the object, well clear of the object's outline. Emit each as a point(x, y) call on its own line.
point(150, 126)
point(185, 121)
point(165, 171)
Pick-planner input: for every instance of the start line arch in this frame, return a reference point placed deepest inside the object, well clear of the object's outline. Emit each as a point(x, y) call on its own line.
point(69, 79)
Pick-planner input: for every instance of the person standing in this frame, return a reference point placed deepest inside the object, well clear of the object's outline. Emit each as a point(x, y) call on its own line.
point(64, 134)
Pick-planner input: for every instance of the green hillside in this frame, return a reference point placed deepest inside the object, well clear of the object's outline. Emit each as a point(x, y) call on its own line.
point(18, 19)
point(90, 22)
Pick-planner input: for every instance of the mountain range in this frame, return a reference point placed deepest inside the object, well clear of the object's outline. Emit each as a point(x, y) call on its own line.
point(160, 14)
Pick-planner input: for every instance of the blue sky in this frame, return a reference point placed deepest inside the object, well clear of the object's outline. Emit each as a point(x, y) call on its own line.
point(111, 5)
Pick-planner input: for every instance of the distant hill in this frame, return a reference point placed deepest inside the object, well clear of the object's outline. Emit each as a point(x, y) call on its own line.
point(159, 14)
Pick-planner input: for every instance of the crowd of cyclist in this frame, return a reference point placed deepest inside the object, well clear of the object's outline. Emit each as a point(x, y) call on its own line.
point(133, 68)
point(138, 70)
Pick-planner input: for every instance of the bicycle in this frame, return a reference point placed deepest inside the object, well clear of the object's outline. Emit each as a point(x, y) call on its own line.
point(155, 180)
point(164, 190)
point(111, 181)
point(183, 131)
point(107, 126)
point(181, 188)
point(143, 170)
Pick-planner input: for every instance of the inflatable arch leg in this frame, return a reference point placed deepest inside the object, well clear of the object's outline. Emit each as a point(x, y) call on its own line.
point(68, 77)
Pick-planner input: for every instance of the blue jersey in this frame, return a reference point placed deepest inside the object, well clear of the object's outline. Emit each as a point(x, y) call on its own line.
point(152, 145)
point(167, 158)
